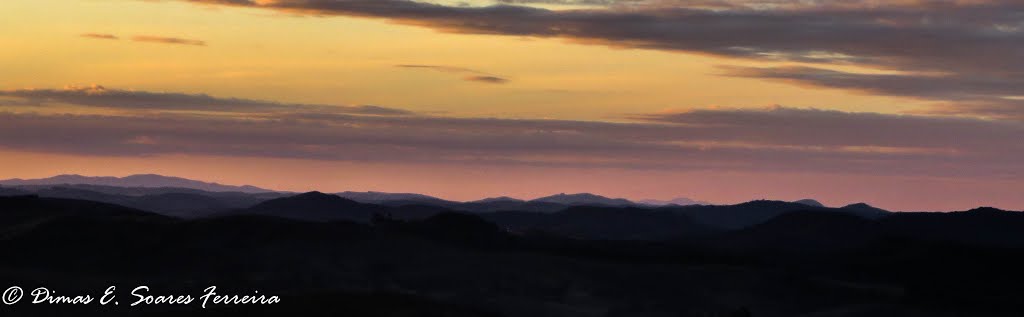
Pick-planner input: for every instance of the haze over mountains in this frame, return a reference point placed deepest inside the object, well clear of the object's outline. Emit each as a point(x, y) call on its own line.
point(585, 215)
point(140, 181)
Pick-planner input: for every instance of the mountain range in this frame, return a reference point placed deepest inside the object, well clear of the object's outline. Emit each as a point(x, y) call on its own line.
point(138, 180)
point(152, 184)
point(579, 215)
point(374, 254)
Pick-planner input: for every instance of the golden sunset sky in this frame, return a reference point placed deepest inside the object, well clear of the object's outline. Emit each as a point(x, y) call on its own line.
point(908, 105)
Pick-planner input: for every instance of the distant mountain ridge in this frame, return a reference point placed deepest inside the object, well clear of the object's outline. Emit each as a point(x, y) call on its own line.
point(810, 202)
point(137, 180)
point(498, 199)
point(169, 201)
point(680, 201)
point(145, 184)
point(372, 197)
point(583, 199)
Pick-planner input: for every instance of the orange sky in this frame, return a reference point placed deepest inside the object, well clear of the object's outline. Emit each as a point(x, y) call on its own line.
point(523, 101)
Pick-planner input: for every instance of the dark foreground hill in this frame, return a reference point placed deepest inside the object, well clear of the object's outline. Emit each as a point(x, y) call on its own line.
point(457, 264)
point(170, 201)
point(806, 231)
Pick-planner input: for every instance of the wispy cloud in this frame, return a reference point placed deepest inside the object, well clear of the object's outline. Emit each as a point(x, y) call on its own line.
point(101, 36)
point(764, 140)
point(978, 94)
point(964, 39)
point(487, 79)
point(147, 38)
point(167, 40)
point(132, 100)
point(440, 68)
point(474, 75)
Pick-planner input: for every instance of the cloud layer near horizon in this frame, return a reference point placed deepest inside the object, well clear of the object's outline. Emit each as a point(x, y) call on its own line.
point(131, 100)
point(146, 38)
point(974, 46)
point(777, 139)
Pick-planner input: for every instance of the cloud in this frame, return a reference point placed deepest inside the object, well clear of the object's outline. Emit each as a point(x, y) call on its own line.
point(977, 95)
point(487, 79)
point(440, 68)
point(167, 40)
point(100, 36)
point(964, 39)
point(146, 38)
point(475, 75)
point(570, 2)
point(765, 140)
point(130, 100)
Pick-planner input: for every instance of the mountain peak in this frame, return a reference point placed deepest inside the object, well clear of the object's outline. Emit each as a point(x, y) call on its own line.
point(497, 199)
point(986, 209)
point(809, 202)
point(313, 194)
point(583, 199)
point(865, 210)
point(861, 206)
point(679, 201)
point(380, 197)
point(307, 199)
point(315, 206)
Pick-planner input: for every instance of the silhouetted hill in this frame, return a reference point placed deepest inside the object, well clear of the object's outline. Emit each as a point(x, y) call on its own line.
point(589, 222)
point(176, 202)
point(831, 231)
point(182, 205)
point(865, 210)
point(603, 223)
point(456, 228)
point(583, 199)
point(316, 206)
point(981, 226)
point(810, 202)
point(20, 214)
point(501, 199)
point(732, 217)
point(8, 191)
point(143, 191)
point(395, 199)
point(679, 201)
point(74, 193)
point(804, 231)
point(140, 180)
point(509, 205)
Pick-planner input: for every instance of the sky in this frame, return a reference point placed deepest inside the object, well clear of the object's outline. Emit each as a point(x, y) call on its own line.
point(905, 105)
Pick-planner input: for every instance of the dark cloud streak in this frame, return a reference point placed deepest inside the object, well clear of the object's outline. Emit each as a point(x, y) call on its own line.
point(962, 94)
point(476, 75)
point(167, 40)
point(487, 79)
point(100, 36)
point(102, 97)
